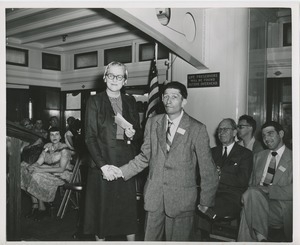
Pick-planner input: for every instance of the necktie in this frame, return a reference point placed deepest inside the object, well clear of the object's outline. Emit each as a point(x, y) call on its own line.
point(168, 136)
point(271, 170)
point(224, 156)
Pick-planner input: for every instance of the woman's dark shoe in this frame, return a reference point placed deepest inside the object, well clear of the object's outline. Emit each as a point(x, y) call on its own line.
point(41, 214)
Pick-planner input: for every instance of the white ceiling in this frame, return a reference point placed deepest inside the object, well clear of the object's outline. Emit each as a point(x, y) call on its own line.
point(46, 28)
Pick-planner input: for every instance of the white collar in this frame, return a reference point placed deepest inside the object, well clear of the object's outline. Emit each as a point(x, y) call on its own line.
point(176, 120)
point(279, 151)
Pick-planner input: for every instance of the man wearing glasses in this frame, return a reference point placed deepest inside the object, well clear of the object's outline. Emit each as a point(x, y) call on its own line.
point(234, 164)
point(246, 129)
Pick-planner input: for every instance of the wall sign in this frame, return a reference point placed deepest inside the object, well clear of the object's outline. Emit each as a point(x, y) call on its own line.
point(203, 80)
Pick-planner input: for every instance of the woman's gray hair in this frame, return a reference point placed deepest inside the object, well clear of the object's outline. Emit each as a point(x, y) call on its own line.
point(116, 63)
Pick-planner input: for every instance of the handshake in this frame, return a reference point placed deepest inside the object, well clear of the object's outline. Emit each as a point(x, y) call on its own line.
point(111, 172)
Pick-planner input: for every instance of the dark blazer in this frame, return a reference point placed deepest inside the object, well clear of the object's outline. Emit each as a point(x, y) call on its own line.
point(100, 130)
point(172, 176)
point(236, 170)
point(282, 186)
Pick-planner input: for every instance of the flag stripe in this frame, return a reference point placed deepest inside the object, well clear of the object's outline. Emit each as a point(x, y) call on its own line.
point(153, 97)
point(154, 102)
point(153, 93)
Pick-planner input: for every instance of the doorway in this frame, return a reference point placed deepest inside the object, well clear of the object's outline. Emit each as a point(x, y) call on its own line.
point(279, 105)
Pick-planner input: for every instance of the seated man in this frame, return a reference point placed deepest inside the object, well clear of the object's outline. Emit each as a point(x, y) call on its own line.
point(234, 164)
point(268, 200)
point(246, 129)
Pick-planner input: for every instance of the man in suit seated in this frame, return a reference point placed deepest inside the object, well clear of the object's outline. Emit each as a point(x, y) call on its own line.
point(268, 200)
point(246, 129)
point(234, 163)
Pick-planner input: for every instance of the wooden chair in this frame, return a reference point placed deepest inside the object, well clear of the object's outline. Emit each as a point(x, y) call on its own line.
point(75, 186)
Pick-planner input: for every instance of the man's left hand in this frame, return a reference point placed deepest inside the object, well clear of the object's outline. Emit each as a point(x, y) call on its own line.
point(202, 208)
point(129, 132)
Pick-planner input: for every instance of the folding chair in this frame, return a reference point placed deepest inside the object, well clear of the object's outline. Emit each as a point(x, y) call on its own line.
point(73, 185)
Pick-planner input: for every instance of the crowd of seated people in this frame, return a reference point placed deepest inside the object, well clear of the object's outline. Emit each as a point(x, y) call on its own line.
point(256, 188)
point(46, 163)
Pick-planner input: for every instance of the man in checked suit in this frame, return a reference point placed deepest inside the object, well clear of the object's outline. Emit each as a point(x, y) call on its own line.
point(268, 200)
point(170, 192)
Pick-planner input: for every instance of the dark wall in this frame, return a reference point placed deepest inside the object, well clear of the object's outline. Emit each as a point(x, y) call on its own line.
point(17, 104)
point(46, 103)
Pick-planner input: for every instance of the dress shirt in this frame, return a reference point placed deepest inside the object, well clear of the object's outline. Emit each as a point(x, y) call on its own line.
point(229, 148)
point(278, 157)
point(174, 125)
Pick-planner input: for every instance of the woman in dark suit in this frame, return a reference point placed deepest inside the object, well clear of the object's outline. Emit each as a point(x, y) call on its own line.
point(110, 206)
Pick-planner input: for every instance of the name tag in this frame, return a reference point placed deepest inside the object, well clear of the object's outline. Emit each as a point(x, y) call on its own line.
point(282, 168)
point(181, 131)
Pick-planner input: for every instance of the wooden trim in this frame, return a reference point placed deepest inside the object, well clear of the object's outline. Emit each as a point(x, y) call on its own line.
point(14, 192)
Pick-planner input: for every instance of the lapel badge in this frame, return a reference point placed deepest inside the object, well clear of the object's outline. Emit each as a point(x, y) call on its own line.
point(282, 169)
point(181, 131)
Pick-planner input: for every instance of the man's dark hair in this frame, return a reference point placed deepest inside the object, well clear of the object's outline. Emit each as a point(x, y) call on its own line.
point(177, 85)
point(274, 124)
point(249, 120)
point(53, 129)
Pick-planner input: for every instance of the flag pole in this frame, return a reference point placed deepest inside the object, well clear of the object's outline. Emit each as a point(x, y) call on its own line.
point(155, 52)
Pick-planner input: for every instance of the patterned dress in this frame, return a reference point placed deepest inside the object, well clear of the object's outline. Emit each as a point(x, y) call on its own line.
point(43, 186)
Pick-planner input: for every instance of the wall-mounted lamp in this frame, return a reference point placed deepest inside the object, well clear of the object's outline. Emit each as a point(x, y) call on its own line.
point(30, 108)
point(163, 15)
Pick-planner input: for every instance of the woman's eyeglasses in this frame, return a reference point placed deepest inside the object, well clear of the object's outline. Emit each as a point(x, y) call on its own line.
point(112, 77)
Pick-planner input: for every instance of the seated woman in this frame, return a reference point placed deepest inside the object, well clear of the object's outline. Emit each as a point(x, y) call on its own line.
point(42, 178)
point(73, 135)
point(69, 134)
point(38, 128)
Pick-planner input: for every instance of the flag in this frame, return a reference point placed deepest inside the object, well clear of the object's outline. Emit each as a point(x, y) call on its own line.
point(153, 97)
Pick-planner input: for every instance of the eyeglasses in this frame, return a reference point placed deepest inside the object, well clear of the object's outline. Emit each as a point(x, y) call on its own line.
point(242, 126)
point(112, 77)
point(226, 130)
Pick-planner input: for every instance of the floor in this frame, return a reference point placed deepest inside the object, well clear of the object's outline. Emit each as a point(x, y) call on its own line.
point(52, 228)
